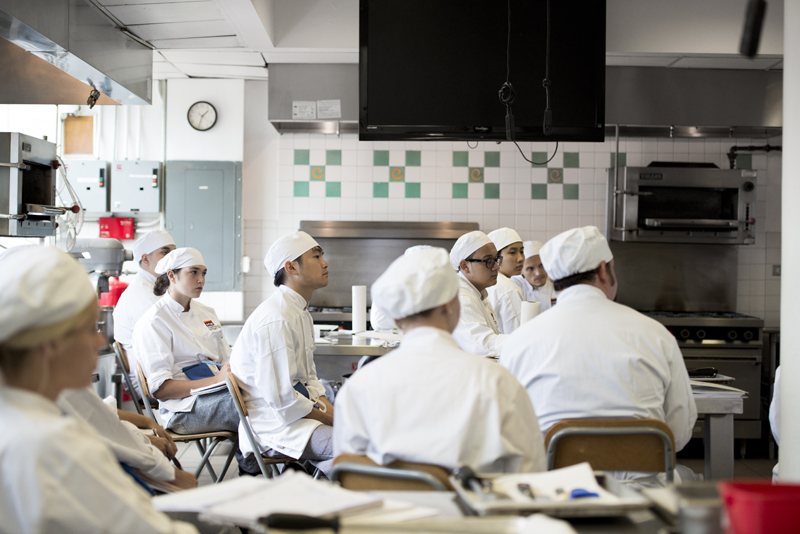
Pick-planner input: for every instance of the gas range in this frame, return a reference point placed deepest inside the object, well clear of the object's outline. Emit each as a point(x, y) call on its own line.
point(710, 328)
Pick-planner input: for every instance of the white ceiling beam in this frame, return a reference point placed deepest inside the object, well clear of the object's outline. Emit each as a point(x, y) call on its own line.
point(248, 21)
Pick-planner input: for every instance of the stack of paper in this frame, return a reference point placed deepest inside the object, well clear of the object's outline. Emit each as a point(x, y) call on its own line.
point(549, 485)
point(708, 389)
point(213, 388)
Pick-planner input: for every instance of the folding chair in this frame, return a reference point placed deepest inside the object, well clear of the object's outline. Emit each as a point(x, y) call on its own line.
point(612, 445)
point(206, 442)
point(241, 408)
point(358, 472)
point(122, 363)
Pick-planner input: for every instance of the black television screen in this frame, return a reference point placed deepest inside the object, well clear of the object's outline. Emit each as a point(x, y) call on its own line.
point(432, 69)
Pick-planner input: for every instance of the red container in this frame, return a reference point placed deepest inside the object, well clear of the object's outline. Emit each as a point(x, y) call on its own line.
point(116, 228)
point(761, 507)
point(115, 289)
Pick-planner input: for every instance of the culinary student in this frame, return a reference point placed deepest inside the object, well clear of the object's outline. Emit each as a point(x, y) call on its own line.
point(273, 359)
point(389, 410)
point(180, 344)
point(536, 286)
point(475, 259)
point(506, 296)
point(138, 297)
point(58, 474)
point(590, 357)
point(380, 319)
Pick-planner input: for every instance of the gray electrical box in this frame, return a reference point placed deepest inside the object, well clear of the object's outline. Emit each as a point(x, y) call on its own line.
point(89, 179)
point(204, 211)
point(136, 186)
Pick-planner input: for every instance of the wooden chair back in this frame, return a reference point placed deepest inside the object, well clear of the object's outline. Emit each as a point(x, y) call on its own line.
point(367, 482)
point(142, 381)
point(123, 357)
point(612, 444)
point(236, 393)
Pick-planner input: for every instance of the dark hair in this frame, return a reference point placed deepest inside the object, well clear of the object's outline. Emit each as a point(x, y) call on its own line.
point(575, 279)
point(280, 276)
point(162, 283)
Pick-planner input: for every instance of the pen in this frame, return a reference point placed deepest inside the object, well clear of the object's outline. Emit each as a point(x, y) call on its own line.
point(213, 363)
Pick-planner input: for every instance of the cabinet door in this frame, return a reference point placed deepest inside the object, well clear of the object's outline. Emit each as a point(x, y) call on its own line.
point(203, 210)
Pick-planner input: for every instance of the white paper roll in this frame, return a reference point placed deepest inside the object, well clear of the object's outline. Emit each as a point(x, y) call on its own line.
point(530, 310)
point(359, 308)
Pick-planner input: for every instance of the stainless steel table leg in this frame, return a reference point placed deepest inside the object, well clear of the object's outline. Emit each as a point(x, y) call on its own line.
point(718, 442)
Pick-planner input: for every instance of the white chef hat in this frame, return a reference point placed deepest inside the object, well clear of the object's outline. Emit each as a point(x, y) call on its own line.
point(575, 251)
point(503, 237)
point(180, 258)
point(416, 248)
point(149, 242)
point(416, 282)
point(287, 248)
point(532, 248)
point(466, 245)
point(40, 286)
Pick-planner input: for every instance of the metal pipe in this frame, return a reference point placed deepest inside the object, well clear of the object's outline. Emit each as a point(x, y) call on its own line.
point(751, 148)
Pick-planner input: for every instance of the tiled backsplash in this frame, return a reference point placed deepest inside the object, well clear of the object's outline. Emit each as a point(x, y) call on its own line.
point(325, 177)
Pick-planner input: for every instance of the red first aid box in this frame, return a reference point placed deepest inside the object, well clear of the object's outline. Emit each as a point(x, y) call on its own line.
point(116, 228)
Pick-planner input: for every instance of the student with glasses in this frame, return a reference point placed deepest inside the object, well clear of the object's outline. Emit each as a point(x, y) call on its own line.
point(477, 262)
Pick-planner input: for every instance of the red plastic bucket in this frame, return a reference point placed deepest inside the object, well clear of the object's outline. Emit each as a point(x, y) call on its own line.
point(761, 507)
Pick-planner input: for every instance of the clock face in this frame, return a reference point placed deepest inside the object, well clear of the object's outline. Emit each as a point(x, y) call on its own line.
point(202, 116)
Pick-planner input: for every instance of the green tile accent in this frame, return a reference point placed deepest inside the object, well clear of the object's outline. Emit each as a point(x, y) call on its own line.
point(333, 189)
point(397, 174)
point(744, 161)
point(412, 190)
point(318, 173)
point(460, 190)
point(413, 158)
point(460, 159)
point(301, 189)
point(570, 191)
point(491, 190)
point(300, 156)
point(491, 159)
point(571, 160)
point(623, 159)
point(540, 158)
point(380, 158)
point(333, 157)
point(475, 174)
point(555, 175)
point(539, 191)
point(380, 190)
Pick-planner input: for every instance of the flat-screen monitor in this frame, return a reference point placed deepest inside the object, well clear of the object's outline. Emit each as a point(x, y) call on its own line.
point(432, 69)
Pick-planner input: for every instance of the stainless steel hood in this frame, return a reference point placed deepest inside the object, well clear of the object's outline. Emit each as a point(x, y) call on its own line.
point(55, 51)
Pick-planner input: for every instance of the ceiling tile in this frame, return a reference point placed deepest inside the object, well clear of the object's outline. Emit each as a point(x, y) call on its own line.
point(215, 71)
point(198, 42)
point(182, 30)
point(252, 59)
point(162, 13)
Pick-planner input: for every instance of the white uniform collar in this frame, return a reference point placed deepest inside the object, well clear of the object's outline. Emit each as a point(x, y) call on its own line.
point(483, 294)
point(581, 291)
point(146, 276)
point(294, 297)
point(174, 305)
point(30, 400)
point(422, 332)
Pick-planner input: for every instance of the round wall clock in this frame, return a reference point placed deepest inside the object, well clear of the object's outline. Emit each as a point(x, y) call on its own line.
point(202, 116)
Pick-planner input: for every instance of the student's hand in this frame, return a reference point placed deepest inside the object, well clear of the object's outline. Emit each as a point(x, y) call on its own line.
point(172, 449)
point(184, 480)
point(161, 444)
point(223, 373)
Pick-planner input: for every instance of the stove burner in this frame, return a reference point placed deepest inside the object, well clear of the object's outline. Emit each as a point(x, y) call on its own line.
point(703, 315)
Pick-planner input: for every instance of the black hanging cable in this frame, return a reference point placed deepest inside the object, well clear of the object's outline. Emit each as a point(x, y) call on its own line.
point(506, 93)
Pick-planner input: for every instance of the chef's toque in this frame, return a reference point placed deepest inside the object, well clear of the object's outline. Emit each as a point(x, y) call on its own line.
point(466, 245)
point(287, 248)
point(504, 237)
point(575, 251)
point(151, 242)
point(180, 258)
point(415, 282)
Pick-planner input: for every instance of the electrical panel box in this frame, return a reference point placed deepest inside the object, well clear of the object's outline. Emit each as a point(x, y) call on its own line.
point(116, 228)
point(136, 186)
point(89, 180)
point(204, 211)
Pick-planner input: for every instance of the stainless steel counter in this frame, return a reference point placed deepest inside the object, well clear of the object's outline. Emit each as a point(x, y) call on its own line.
point(341, 357)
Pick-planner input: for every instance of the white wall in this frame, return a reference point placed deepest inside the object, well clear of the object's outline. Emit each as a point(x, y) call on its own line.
point(223, 142)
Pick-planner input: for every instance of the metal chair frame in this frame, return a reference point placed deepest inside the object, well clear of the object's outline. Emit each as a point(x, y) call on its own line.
point(666, 439)
point(206, 442)
point(124, 365)
point(386, 472)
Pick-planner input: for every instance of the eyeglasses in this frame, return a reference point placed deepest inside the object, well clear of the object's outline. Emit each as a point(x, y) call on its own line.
point(490, 263)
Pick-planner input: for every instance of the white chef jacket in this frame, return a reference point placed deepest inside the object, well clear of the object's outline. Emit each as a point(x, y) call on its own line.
point(167, 339)
point(59, 476)
point(127, 442)
point(590, 357)
point(775, 407)
point(544, 294)
point(379, 320)
point(477, 331)
point(506, 300)
point(275, 351)
point(137, 298)
point(429, 401)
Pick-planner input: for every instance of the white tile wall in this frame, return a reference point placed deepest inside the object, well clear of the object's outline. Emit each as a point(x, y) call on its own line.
point(758, 289)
